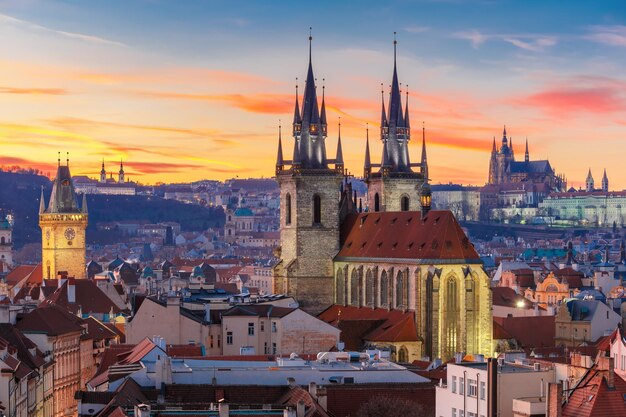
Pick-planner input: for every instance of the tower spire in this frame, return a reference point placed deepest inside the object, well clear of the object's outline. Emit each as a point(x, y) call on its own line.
point(367, 166)
point(526, 154)
point(406, 112)
point(493, 148)
point(42, 202)
point(424, 158)
point(279, 158)
point(83, 207)
point(297, 120)
point(383, 116)
point(323, 111)
point(339, 156)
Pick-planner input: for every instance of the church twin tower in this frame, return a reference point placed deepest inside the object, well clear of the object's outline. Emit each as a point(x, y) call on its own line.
point(314, 202)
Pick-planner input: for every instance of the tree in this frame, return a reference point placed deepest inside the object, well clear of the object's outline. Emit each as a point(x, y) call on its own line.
point(384, 406)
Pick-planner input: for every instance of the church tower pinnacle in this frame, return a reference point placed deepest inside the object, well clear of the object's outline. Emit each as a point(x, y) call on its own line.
point(310, 203)
point(526, 154)
point(121, 173)
point(103, 173)
point(605, 182)
point(393, 187)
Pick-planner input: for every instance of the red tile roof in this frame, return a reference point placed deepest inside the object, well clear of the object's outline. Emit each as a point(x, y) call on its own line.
point(360, 324)
point(184, 351)
point(51, 320)
point(138, 352)
point(530, 332)
point(33, 273)
point(405, 235)
point(592, 397)
point(571, 276)
point(507, 297)
point(88, 297)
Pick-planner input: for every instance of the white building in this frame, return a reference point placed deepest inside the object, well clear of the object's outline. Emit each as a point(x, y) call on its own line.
point(467, 391)
point(601, 208)
point(463, 201)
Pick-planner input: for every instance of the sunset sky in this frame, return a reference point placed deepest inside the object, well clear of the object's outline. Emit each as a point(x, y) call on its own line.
point(190, 90)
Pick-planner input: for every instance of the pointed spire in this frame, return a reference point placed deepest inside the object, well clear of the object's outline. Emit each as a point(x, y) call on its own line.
point(511, 144)
point(339, 157)
point(604, 177)
point(102, 164)
point(424, 158)
point(310, 111)
point(323, 111)
point(383, 117)
point(42, 202)
point(493, 148)
point(83, 208)
point(297, 120)
point(395, 101)
point(367, 166)
point(526, 154)
point(279, 158)
point(406, 111)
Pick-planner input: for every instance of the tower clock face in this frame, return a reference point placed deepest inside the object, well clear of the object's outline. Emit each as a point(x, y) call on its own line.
point(69, 233)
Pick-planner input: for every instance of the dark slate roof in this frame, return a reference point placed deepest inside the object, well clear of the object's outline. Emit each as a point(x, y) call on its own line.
point(542, 166)
point(63, 198)
point(405, 235)
point(50, 320)
point(259, 310)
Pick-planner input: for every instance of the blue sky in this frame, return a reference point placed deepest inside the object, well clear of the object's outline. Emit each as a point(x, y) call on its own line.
point(116, 72)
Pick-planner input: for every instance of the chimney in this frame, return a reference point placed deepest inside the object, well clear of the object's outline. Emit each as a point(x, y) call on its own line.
point(610, 376)
point(555, 400)
point(289, 412)
point(71, 291)
point(300, 409)
point(142, 410)
point(223, 410)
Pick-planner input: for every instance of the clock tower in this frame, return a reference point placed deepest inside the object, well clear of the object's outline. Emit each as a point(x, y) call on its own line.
point(63, 225)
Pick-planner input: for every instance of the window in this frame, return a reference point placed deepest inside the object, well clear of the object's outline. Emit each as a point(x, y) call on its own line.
point(211, 341)
point(265, 348)
point(472, 388)
point(250, 329)
point(453, 412)
point(404, 203)
point(274, 327)
point(461, 413)
point(273, 348)
point(623, 363)
point(229, 338)
point(288, 209)
point(453, 386)
point(262, 326)
point(483, 390)
point(461, 386)
point(376, 202)
point(317, 209)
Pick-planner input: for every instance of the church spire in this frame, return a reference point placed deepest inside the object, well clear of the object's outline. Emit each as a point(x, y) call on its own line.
point(297, 120)
point(279, 157)
point(493, 148)
point(323, 111)
point(395, 101)
point(383, 116)
point(42, 202)
point(367, 166)
point(83, 207)
point(339, 155)
point(406, 112)
point(504, 139)
point(526, 154)
point(424, 158)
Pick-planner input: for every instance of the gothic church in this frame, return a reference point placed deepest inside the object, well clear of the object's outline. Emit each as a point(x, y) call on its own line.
point(393, 256)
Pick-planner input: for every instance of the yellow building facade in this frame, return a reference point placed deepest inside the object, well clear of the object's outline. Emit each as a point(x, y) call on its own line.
point(63, 224)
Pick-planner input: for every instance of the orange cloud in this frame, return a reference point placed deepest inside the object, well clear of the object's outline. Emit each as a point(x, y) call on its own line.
point(8, 161)
point(34, 91)
point(561, 102)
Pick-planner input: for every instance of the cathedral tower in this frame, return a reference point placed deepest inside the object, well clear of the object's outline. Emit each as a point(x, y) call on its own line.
point(103, 173)
point(63, 225)
point(605, 182)
point(121, 173)
point(395, 186)
point(310, 205)
point(589, 183)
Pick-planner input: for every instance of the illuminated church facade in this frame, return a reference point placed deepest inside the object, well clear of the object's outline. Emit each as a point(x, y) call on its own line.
point(396, 255)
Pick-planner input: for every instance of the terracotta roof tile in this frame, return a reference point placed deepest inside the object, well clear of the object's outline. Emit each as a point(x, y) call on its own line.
point(405, 235)
point(50, 320)
point(530, 332)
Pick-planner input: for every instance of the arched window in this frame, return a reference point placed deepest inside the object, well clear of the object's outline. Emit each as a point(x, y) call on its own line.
point(403, 355)
point(354, 288)
point(370, 289)
point(317, 209)
point(384, 289)
point(404, 203)
point(2, 241)
point(340, 288)
point(399, 290)
point(452, 317)
point(376, 202)
point(288, 209)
